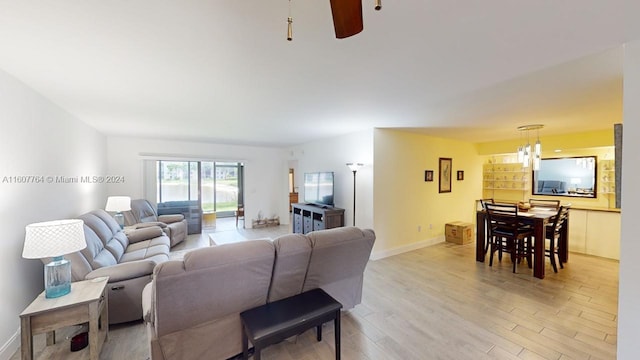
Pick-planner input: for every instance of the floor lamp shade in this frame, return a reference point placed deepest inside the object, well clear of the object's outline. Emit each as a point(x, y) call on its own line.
point(54, 239)
point(118, 204)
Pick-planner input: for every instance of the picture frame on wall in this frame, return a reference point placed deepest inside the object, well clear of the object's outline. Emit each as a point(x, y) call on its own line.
point(444, 175)
point(460, 175)
point(428, 175)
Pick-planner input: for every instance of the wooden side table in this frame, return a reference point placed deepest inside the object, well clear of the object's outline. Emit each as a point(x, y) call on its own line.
point(87, 302)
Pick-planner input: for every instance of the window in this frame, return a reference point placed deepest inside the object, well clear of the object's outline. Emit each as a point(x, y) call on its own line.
point(217, 186)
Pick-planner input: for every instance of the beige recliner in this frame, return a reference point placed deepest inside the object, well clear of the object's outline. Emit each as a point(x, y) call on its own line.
point(143, 214)
point(192, 307)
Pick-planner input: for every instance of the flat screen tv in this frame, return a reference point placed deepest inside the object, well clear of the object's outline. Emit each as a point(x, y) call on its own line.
point(318, 188)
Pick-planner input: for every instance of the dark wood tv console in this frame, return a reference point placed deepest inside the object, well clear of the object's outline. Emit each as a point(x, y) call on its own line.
point(308, 218)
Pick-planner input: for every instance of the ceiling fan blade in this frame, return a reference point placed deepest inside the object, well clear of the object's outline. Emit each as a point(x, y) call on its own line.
point(347, 17)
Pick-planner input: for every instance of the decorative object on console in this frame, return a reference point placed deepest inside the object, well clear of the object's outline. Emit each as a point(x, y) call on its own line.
point(118, 204)
point(54, 239)
point(524, 152)
point(354, 167)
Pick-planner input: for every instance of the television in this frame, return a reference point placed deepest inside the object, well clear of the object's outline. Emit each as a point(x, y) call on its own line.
point(318, 188)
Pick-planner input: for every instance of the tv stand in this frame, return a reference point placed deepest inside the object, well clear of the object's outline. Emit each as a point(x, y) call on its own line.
point(308, 217)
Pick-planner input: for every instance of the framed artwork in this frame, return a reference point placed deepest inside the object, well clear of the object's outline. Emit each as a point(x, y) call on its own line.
point(428, 175)
point(460, 176)
point(445, 175)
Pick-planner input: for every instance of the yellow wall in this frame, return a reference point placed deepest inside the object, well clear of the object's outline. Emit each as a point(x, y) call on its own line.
point(410, 213)
point(404, 202)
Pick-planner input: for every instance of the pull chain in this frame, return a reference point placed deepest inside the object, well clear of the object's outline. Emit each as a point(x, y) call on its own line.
point(289, 24)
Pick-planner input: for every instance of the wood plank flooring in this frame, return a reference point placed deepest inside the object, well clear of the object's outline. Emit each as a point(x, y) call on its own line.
point(439, 303)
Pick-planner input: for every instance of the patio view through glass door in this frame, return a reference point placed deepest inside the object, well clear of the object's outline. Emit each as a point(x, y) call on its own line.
point(199, 188)
point(221, 187)
point(178, 191)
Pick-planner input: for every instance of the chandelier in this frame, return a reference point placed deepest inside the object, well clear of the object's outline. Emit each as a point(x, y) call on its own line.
point(525, 154)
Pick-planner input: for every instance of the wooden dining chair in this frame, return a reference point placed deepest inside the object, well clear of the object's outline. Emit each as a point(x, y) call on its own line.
point(240, 215)
point(482, 202)
point(544, 203)
point(507, 233)
point(553, 236)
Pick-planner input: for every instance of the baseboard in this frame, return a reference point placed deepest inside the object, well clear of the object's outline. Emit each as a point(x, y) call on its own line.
point(377, 255)
point(10, 347)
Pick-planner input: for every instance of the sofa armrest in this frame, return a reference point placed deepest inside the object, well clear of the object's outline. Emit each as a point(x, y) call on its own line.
point(124, 271)
point(150, 224)
point(145, 233)
point(147, 303)
point(168, 219)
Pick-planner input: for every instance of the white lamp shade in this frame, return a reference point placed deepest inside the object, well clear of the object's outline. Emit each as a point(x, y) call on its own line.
point(53, 238)
point(118, 203)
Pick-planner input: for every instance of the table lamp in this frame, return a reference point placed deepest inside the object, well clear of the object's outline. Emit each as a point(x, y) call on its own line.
point(54, 239)
point(118, 204)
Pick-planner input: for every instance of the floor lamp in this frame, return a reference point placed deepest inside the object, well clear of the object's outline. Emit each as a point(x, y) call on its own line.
point(354, 167)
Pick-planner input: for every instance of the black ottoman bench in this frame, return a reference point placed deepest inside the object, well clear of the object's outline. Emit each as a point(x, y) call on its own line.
point(272, 323)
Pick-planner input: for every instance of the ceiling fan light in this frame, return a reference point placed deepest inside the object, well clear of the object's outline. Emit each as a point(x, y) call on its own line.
point(378, 5)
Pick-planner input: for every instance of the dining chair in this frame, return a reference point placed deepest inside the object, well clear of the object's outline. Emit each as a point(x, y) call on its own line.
point(240, 214)
point(482, 202)
point(507, 233)
point(553, 236)
point(544, 203)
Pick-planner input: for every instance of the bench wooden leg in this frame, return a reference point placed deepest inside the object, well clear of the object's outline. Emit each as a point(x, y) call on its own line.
point(337, 334)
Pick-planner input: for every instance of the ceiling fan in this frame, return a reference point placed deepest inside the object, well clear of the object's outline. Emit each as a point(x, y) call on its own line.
point(347, 16)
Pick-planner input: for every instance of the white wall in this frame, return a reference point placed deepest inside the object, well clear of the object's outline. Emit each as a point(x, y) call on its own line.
point(333, 155)
point(629, 287)
point(266, 169)
point(40, 139)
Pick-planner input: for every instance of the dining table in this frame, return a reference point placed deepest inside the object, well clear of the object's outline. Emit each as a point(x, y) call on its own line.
point(538, 218)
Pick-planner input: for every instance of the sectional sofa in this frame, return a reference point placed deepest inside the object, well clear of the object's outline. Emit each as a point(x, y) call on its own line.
point(192, 306)
point(127, 259)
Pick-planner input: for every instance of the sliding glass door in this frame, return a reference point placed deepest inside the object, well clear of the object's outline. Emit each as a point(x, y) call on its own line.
point(178, 191)
point(221, 187)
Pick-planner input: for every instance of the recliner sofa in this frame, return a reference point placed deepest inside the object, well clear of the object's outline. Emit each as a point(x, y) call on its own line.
point(192, 307)
point(127, 259)
point(551, 187)
point(143, 214)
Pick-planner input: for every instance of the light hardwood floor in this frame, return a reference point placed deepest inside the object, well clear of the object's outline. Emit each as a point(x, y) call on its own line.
point(439, 303)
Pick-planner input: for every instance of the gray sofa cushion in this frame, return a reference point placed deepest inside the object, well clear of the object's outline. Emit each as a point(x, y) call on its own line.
point(212, 282)
point(293, 252)
point(337, 263)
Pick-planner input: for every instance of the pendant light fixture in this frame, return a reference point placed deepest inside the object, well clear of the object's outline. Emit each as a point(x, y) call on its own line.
point(378, 5)
point(528, 156)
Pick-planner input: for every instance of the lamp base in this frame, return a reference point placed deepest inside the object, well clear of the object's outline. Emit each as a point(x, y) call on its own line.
point(57, 277)
point(119, 219)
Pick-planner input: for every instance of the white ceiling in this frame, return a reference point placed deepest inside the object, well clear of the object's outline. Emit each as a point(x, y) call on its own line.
point(222, 70)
